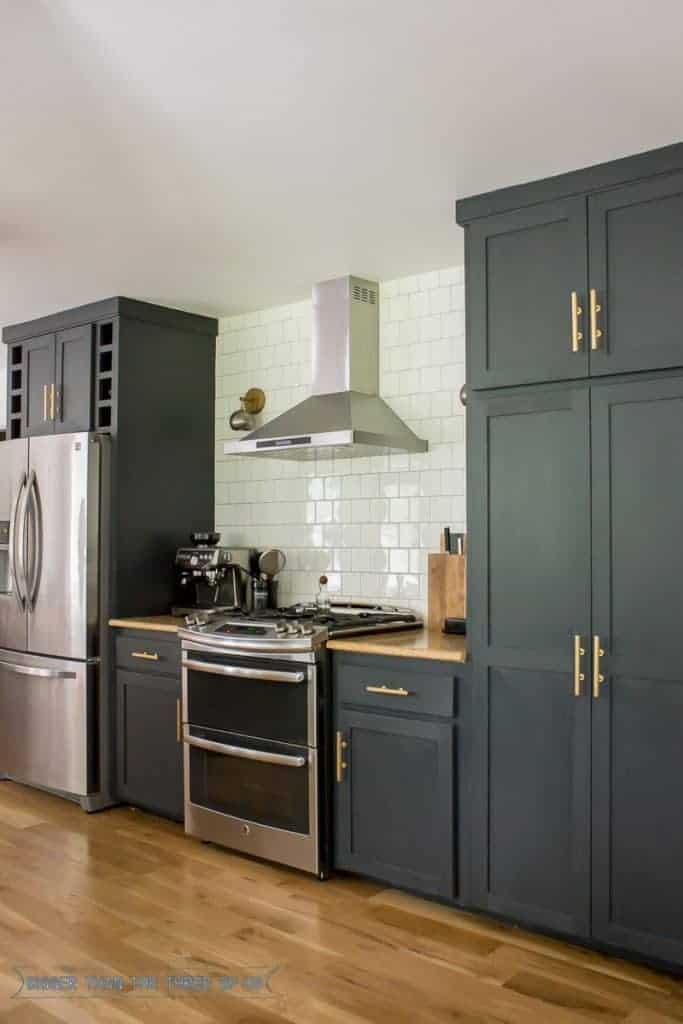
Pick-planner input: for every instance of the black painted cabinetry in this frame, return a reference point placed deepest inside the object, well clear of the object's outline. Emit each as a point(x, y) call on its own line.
point(149, 752)
point(575, 571)
point(611, 240)
point(397, 758)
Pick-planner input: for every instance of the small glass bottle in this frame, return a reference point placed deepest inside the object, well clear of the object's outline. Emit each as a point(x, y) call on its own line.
point(323, 598)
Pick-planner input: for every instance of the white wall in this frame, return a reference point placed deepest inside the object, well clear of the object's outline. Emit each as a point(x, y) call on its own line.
point(367, 523)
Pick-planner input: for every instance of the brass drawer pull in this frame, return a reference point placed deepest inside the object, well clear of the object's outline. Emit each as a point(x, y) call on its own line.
point(341, 763)
point(178, 722)
point(579, 676)
point(388, 691)
point(598, 677)
point(145, 655)
point(577, 312)
point(596, 333)
point(45, 387)
point(52, 402)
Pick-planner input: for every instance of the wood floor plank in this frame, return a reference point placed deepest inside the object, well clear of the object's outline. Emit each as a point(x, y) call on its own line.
point(124, 893)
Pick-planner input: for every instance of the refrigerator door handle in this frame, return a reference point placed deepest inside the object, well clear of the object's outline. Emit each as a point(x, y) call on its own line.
point(32, 670)
point(18, 566)
point(36, 521)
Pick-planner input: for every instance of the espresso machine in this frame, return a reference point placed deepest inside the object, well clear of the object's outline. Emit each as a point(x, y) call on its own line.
point(210, 577)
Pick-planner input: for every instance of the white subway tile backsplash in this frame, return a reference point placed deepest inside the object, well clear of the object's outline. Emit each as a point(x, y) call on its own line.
point(368, 523)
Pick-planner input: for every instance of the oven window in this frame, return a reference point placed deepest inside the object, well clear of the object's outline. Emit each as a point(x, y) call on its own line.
point(269, 794)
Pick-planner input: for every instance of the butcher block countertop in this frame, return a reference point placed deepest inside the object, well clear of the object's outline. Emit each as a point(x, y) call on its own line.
point(156, 623)
point(409, 643)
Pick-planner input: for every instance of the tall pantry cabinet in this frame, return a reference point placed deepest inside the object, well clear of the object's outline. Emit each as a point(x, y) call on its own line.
point(575, 574)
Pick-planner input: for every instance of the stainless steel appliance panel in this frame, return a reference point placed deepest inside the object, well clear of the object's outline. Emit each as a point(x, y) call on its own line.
point(13, 487)
point(63, 544)
point(47, 705)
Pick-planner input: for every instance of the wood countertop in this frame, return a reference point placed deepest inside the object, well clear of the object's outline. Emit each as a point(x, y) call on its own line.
point(411, 643)
point(156, 623)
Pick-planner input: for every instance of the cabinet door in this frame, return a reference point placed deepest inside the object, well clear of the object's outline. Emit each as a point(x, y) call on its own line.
point(637, 271)
point(528, 596)
point(73, 381)
point(149, 751)
point(522, 268)
point(39, 368)
point(394, 808)
point(638, 716)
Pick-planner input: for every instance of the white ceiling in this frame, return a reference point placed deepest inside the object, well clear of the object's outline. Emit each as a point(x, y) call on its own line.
point(222, 155)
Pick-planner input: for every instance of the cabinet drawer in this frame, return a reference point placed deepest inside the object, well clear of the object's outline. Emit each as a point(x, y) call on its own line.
point(148, 652)
point(396, 684)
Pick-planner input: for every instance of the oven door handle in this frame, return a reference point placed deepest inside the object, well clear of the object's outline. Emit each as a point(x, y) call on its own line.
point(243, 673)
point(288, 760)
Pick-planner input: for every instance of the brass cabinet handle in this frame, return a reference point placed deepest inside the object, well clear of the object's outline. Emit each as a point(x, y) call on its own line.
point(579, 676)
point(145, 655)
point(388, 691)
point(52, 402)
point(596, 333)
point(45, 386)
point(178, 722)
point(577, 312)
point(341, 763)
point(598, 677)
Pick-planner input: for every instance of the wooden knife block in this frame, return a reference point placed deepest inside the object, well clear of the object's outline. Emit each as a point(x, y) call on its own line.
point(446, 589)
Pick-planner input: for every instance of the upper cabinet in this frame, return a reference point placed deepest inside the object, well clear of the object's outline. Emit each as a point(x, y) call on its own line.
point(522, 269)
point(577, 276)
point(636, 261)
point(54, 383)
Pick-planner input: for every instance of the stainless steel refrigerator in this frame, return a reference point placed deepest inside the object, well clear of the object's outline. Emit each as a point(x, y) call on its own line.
point(54, 542)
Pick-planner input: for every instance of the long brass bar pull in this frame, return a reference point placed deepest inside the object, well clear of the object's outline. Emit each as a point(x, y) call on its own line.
point(598, 677)
point(596, 332)
point(52, 402)
point(577, 312)
point(579, 676)
point(388, 691)
point(45, 389)
point(178, 722)
point(145, 655)
point(341, 763)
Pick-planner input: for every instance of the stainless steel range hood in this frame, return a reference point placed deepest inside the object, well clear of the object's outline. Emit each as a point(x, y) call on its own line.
point(344, 415)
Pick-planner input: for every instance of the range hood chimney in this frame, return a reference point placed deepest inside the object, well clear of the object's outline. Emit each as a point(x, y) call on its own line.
point(344, 416)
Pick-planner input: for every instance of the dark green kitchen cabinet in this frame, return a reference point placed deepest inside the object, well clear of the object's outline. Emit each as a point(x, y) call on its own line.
point(575, 591)
point(637, 271)
point(522, 268)
point(528, 597)
point(576, 276)
point(54, 383)
point(38, 369)
point(149, 751)
point(395, 801)
point(637, 482)
point(399, 790)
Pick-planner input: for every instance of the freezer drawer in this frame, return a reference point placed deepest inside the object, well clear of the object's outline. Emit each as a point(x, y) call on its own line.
point(47, 722)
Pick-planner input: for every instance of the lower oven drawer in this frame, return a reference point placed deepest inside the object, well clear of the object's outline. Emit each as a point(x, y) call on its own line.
point(267, 783)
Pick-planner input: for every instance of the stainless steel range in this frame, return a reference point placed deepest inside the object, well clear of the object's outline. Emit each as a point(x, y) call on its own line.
point(256, 726)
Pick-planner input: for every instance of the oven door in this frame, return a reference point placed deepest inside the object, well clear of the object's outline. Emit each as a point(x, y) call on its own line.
point(271, 698)
point(252, 795)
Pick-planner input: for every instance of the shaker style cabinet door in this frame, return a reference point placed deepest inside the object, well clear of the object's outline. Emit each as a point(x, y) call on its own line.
point(73, 380)
point(636, 272)
point(522, 268)
point(638, 708)
point(39, 368)
point(394, 800)
point(528, 599)
point(149, 751)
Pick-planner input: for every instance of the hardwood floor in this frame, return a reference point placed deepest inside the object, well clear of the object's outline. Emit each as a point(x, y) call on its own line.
point(121, 894)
